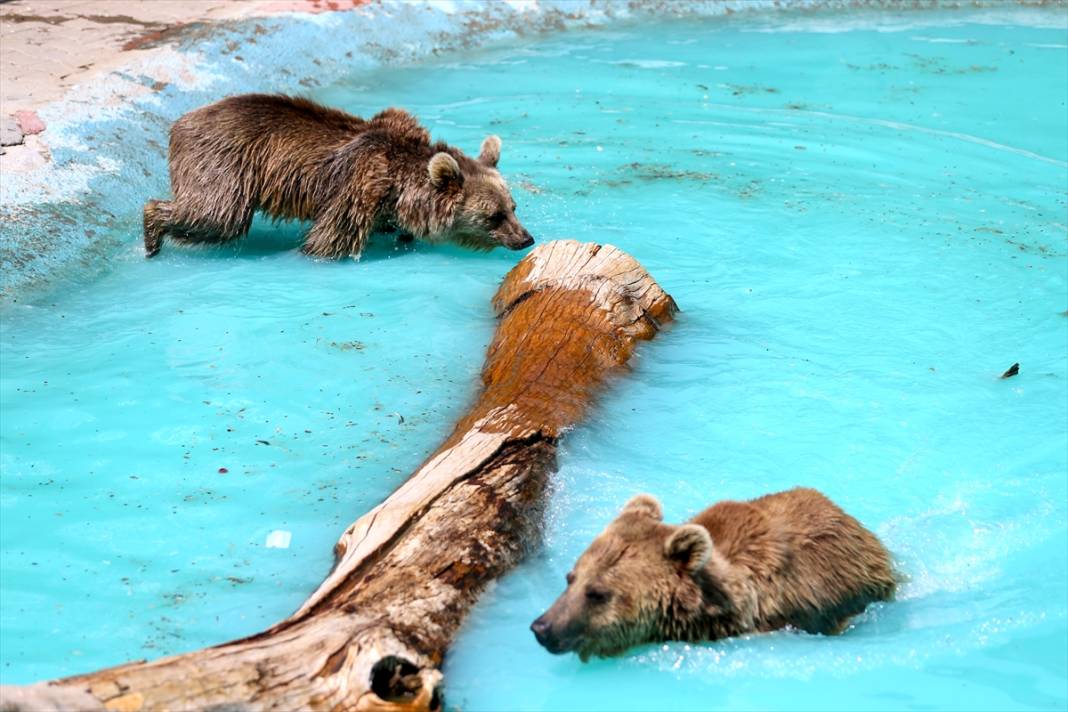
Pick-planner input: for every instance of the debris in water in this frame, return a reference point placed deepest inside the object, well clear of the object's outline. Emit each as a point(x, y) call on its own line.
point(347, 345)
point(263, 442)
point(223, 470)
point(279, 539)
point(1013, 370)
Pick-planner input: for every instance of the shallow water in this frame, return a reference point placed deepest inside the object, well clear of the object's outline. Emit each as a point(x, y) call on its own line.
point(864, 222)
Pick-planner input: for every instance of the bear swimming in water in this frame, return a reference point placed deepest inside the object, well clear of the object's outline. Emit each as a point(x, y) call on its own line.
point(787, 559)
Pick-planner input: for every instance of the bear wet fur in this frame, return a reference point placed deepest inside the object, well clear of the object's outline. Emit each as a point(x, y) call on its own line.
point(291, 158)
point(787, 559)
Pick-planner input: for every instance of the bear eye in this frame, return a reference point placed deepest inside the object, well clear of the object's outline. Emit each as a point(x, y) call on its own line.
point(597, 596)
point(497, 218)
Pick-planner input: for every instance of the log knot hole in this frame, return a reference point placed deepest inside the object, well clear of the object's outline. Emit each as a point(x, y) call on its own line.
point(400, 682)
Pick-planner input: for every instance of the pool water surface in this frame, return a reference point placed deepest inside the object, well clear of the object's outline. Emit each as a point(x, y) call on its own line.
point(864, 219)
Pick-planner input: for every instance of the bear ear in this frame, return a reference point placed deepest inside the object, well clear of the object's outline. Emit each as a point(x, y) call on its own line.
point(443, 170)
point(690, 546)
point(491, 151)
point(645, 504)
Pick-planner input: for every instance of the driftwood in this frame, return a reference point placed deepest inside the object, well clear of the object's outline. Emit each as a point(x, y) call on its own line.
point(374, 634)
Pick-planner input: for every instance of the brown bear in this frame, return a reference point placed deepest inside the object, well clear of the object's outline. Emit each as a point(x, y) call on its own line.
point(787, 559)
point(293, 159)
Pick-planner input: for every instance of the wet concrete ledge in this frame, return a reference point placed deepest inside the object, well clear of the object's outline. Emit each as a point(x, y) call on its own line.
point(85, 156)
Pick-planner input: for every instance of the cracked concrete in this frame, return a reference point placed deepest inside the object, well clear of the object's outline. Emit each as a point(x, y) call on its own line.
point(48, 47)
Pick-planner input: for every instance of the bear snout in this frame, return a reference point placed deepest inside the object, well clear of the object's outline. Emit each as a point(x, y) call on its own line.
point(519, 240)
point(543, 632)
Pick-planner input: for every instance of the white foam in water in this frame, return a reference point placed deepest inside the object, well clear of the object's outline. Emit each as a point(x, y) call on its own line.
point(942, 40)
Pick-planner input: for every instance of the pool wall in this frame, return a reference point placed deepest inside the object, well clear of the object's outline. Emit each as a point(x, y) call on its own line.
point(77, 209)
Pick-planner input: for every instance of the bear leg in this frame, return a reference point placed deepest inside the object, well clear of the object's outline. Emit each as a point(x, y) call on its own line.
point(157, 215)
point(194, 225)
point(333, 238)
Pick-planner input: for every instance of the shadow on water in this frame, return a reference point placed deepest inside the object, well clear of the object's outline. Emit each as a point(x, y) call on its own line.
point(269, 238)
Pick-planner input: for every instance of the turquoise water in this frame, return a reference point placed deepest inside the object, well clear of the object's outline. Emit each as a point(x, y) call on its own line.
point(864, 220)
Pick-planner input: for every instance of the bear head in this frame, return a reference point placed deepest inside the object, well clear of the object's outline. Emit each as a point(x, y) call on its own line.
point(484, 212)
point(640, 581)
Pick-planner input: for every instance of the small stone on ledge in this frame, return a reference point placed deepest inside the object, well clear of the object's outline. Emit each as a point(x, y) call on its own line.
point(10, 133)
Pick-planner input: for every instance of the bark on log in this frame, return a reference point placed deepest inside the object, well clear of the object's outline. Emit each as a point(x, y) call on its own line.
point(374, 634)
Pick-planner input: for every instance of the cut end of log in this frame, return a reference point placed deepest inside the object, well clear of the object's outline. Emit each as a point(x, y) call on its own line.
point(576, 265)
point(570, 312)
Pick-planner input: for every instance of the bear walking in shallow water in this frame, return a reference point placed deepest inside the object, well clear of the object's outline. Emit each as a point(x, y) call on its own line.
point(787, 559)
point(293, 159)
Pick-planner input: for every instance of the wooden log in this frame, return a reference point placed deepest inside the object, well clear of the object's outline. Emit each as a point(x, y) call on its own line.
point(374, 634)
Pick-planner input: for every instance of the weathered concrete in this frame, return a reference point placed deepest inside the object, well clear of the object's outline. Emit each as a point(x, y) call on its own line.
point(50, 48)
point(82, 38)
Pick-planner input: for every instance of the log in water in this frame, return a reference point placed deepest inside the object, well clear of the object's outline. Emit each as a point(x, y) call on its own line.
point(374, 634)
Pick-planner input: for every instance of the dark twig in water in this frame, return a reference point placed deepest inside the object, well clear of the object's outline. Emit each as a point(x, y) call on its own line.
point(1013, 370)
